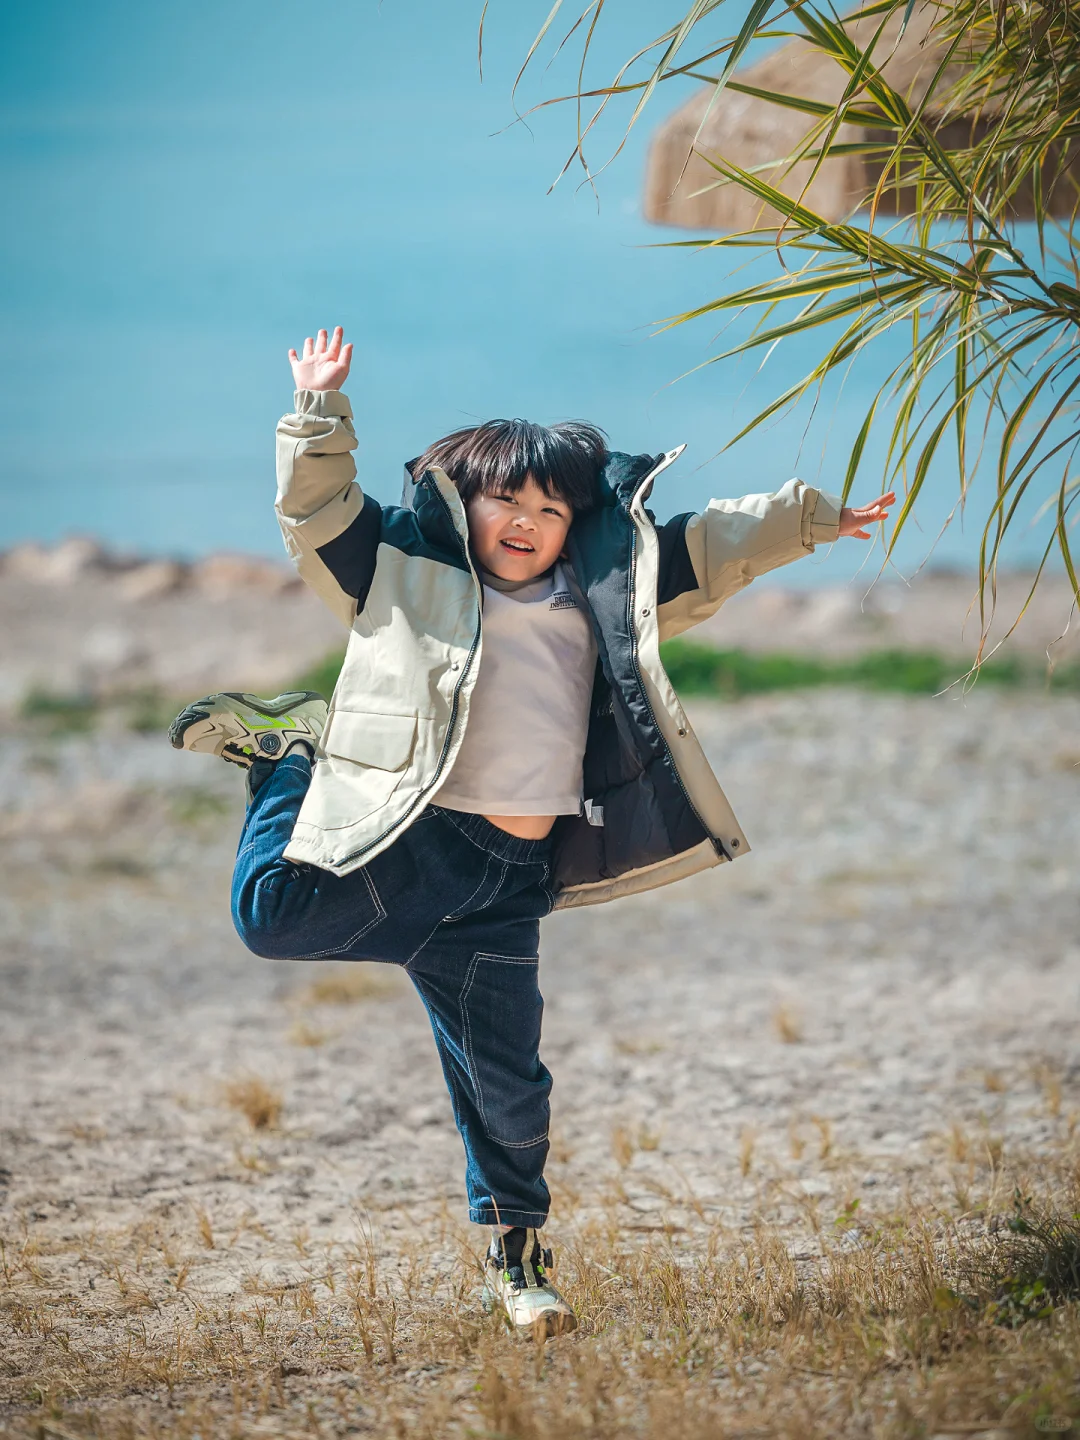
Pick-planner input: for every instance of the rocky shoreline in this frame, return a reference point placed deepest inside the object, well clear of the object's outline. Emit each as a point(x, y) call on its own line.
point(81, 620)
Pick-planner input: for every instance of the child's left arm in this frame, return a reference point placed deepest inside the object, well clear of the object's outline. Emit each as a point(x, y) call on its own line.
point(712, 556)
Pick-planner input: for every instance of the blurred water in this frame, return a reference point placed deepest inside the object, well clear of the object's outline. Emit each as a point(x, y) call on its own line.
point(192, 189)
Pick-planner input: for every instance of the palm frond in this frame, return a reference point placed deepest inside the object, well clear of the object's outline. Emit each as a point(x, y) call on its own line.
point(994, 331)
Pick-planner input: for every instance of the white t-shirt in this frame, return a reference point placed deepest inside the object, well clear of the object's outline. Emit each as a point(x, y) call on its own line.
point(529, 714)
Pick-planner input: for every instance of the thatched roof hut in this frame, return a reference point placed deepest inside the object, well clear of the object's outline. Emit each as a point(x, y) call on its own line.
point(751, 132)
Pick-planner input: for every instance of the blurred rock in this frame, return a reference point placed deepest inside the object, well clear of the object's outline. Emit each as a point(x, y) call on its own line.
point(62, 565)
point(80, 619)
point(108, 648)
point(152, 580)
point(937, 611)
point(227, 575)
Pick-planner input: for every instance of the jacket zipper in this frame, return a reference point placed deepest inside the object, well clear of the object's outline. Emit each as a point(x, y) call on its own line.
point(717, 843)
point(453, 704)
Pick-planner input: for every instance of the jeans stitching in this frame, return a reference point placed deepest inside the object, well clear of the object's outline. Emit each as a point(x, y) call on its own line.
point(466, 1030)
point(377, 918)
point(491, 1210)
point(421, 947)
point(509, 959)
point(448, 1070)
point(457, 914)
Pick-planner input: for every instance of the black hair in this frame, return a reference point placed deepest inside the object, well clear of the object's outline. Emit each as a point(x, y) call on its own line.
point(501, 455)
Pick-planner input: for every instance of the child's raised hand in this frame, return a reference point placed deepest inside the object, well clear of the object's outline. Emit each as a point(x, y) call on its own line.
point(853, 520)
point(324, 364)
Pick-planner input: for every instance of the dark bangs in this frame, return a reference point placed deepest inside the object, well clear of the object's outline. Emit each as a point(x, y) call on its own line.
point(500, 455)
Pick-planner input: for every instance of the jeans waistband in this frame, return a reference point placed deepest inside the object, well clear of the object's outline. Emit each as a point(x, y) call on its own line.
point(498, 842)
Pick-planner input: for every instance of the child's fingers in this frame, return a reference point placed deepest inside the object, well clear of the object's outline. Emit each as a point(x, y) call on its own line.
point(309, 348)
point(346, 354)
point(320, 344)
point(294, 358)
point(334, 348)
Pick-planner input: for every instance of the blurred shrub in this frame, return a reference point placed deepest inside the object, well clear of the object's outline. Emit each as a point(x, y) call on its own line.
point(58, 714)
point(699, 669)
point(322, 677)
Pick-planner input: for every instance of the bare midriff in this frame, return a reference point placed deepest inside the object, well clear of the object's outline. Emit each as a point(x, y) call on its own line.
point(525, 827)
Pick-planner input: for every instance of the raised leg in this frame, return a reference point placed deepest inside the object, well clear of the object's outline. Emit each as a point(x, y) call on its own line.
point(284, 911)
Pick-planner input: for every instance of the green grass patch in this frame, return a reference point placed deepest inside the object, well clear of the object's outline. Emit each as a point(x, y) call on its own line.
point(59, 714)
point(697, 669)
point(323, 676)
point(148, 710)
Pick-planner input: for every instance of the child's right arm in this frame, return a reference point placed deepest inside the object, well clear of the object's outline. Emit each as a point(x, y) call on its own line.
point(318, 498)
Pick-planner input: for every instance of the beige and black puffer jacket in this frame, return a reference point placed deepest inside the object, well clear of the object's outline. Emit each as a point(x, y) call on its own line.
point(401, 580)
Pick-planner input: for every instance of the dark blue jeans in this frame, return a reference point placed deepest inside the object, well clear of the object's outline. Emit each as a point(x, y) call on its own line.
point(457, 903)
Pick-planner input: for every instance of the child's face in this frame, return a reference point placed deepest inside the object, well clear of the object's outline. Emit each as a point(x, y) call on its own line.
point(518, 536)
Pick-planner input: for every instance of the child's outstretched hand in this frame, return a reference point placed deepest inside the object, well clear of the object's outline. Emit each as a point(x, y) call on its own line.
point(853, 520)
point(324, 364)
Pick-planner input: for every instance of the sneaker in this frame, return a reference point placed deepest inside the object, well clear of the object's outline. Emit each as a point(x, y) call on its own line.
point(516, 1279)
point(245, 728)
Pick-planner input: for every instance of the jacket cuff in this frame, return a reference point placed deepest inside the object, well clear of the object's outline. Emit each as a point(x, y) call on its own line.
point(329, 521)
point(327, 403)
point(822, 526)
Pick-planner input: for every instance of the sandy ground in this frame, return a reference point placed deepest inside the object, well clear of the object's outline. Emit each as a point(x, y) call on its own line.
point(896, 963)
point(882, 998)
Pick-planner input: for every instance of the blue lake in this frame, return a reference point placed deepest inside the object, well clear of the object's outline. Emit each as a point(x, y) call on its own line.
point(192, 189)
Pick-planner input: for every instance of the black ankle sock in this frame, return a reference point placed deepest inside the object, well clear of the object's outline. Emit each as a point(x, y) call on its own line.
point(263, 767)
point(511, 1247)
point(260, 772)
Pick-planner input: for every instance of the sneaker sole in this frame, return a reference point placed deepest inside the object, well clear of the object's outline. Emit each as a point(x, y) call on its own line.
point(554, 1323)
point(549, 1323)
point(199, 710)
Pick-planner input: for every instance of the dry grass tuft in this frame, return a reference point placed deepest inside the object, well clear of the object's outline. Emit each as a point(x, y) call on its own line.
point(825, 1136)
point(959, 1144)
point(259, 1102)
point(206, 1229)
point(893, 1324)
point(796, 1141)
point(349, 985)
point(622, 1146)
point(1051, 1083)
point(787, 1023)
point(308, 1036)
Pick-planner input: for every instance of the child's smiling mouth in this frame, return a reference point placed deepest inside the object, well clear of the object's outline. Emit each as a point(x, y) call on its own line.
point(517, 547)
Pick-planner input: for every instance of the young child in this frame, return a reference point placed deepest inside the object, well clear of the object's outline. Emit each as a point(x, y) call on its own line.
point(503, 740)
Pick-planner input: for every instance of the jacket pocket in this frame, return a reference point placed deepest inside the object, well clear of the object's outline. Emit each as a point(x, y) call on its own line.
point(367, 757)
point(501, 1008)
point(384, 742)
